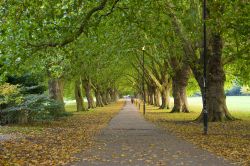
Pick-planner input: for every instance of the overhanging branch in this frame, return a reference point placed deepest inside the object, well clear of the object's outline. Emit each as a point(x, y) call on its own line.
point(81, 29)
point(111, 10)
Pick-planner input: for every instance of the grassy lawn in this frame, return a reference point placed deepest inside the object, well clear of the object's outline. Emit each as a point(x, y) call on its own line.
point(55, 142)
point(239, 106)
point(228, 139)
point(71, 107)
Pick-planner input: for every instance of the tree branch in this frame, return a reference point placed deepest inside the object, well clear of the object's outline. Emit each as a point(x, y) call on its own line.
point(74, 36)
point(111, 10)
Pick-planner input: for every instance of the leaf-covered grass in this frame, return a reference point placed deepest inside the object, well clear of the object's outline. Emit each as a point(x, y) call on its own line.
point(55, 142)
point(20, 129)
point(228, 139)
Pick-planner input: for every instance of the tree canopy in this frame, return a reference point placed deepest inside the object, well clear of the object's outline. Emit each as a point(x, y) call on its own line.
point(98, 44)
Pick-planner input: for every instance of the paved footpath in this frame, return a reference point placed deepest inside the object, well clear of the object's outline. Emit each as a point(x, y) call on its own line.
point(130, 140)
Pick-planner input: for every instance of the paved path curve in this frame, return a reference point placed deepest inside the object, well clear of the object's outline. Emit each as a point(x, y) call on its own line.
point(131, 140)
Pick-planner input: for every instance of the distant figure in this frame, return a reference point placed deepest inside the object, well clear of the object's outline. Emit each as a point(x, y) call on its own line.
point(132, 100)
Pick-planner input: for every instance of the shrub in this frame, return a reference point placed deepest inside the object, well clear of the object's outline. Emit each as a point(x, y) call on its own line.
point(9, 95)
point(20, 108)
point(30, 83)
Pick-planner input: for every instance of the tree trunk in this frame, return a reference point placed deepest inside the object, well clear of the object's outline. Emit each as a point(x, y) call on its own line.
point(87, 87)
point(108, 96)
point(99, 102)
point(151, 99)
point(117, 96)
point(184, 100)
point(216, 99)
point(180, 98)
point(151, 95)
point(168, 96)
point(165, 97)
point(146, 96)
point(114, 95)
point(157, 98)
point(180, 81)
point(78, 96)
point(104, 98)
point(56, 91)
point(177, 98)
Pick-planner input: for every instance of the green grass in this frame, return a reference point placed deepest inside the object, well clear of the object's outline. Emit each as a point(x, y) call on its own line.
point(234, 103)
point(238, 106)
point(72, 107)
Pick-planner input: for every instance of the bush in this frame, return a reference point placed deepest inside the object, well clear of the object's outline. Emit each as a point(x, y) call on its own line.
point(30, 83)
point(20, 108)
point(9, 95)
